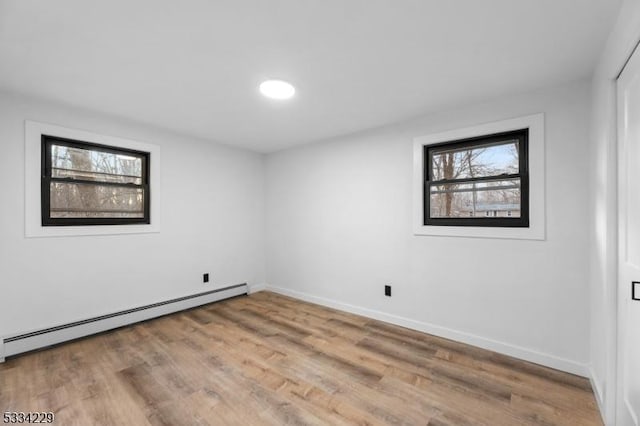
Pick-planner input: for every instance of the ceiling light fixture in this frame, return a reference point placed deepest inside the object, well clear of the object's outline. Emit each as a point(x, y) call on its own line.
point(277, 89)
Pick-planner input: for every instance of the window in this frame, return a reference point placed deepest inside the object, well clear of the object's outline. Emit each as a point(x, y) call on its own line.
point(528, 218)
point(90, 184)
point(480, 181)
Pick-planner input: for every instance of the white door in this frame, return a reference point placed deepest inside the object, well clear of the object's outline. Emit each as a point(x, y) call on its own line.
point(628, 412)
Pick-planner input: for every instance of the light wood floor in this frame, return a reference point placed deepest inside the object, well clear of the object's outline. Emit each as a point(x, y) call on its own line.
point(269, 359)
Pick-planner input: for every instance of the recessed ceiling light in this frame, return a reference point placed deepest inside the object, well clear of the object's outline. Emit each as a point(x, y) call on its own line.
point(277, 89)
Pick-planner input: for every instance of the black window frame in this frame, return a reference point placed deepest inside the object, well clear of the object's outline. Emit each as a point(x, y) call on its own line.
point(522, 135)
point(47, 178)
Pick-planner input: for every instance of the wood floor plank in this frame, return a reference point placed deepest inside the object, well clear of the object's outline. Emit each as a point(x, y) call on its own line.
point(268, 359)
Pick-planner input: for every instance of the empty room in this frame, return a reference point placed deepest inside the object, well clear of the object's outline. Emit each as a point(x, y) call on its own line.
point(373, 212)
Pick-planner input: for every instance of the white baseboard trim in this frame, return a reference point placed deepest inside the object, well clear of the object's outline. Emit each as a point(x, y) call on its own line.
point(597, 391)
point(536, 357)
point(254, 288)
point(37, 339)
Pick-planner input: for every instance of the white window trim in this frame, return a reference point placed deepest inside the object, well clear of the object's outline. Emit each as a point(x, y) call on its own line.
point(536, 229)
point(33, 153)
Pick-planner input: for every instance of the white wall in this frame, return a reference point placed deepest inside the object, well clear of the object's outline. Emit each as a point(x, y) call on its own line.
point(212, 221)
point(339, 228)
point(603, 272)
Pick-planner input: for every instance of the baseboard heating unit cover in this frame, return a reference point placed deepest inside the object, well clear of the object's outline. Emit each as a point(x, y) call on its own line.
point(25, 342)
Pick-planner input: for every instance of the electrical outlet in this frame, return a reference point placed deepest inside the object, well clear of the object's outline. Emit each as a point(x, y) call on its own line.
point(387, 290)
point(205, 278)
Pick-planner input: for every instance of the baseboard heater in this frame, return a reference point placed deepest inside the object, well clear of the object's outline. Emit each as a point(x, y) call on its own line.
point(25, 342)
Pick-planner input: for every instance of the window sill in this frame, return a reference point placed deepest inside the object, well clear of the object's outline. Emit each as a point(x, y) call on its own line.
point(531, 233)
point(76, 231)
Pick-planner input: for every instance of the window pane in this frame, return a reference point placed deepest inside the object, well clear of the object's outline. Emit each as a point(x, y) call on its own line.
point(500, 198)
point(475, 161)
point(95, 165)
point(100, 201)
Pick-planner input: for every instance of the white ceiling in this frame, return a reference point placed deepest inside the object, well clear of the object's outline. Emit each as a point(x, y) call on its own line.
point(194, 66)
